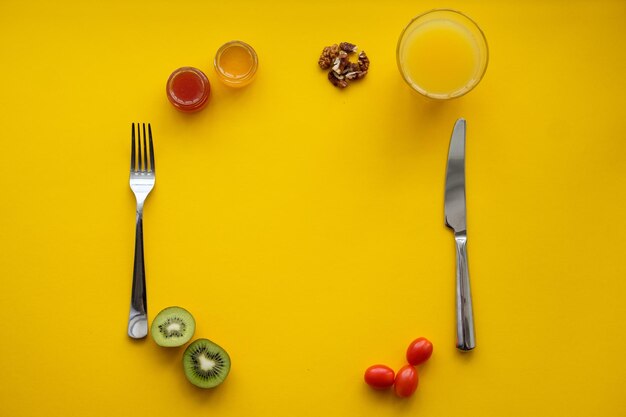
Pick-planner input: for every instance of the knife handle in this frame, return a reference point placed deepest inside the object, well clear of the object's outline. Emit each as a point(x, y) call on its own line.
point(465, 339)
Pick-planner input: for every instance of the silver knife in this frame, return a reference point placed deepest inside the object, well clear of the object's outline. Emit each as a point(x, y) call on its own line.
point(455, 213)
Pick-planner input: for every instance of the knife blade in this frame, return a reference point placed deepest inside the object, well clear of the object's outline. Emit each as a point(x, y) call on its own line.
point(455, 218)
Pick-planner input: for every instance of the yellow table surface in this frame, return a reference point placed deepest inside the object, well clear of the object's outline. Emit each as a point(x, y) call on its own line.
point(303, 225)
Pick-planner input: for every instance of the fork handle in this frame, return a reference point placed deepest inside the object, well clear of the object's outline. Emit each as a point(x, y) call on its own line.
point(138, 320)
point(465, 339)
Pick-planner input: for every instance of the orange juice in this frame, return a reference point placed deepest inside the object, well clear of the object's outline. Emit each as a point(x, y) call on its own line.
point(441, 56)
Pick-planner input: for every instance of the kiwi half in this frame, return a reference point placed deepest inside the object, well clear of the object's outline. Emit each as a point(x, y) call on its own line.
point(173, 326)
point(206, 364)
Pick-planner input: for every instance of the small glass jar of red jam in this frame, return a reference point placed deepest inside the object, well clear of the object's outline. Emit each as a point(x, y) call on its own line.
point(188, 89)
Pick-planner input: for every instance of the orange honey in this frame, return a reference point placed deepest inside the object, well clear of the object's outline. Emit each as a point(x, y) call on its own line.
point(236, 63)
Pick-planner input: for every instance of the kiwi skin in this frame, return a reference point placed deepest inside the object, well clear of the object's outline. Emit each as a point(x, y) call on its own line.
point(206, 364)
point(168, 316)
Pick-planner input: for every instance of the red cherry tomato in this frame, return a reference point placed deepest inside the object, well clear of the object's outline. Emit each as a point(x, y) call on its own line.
point(406, 381)
point(379, 376)
point(419, 351)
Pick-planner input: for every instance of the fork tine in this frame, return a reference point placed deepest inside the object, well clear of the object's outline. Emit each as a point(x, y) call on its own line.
point(151, 149)
point(132, 149)
point(145, 150)
point(139, 149)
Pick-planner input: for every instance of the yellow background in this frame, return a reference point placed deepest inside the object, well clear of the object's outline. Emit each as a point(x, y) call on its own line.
point(303, 225)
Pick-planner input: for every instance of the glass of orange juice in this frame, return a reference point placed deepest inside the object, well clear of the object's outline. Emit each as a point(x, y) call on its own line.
point(442, 54)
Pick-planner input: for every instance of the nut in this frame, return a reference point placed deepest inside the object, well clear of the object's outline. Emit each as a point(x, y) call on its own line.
point(339, 65)
point(328, 55)
point(324, 62)
point(336, 58)
point(348, 47)
point(364, 61)
point(336, 81)
point(355, 75)
point(352, 66)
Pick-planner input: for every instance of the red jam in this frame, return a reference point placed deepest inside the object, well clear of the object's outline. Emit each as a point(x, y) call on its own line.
point(188, 89)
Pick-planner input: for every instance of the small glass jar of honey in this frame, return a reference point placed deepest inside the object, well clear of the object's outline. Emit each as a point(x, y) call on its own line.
point(236, 63)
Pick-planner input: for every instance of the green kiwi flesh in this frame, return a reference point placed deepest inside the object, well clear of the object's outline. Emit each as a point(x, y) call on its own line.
point(206, 364)
point(173, 326)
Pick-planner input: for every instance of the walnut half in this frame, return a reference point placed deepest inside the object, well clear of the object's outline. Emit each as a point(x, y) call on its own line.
point(336, 58)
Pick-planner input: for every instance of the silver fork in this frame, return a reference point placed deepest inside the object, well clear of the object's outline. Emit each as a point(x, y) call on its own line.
point(142, 180)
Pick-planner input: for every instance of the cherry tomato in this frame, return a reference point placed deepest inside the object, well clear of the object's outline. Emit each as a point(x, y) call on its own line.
point(379, 376)
point(406, 381)
point(419, 351)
